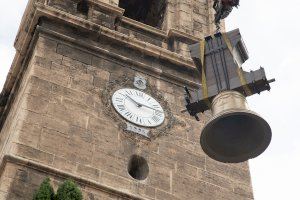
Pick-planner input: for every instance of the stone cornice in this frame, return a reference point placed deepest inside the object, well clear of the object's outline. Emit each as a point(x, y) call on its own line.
point(65, 175)
point(100, 51)
point(113, 9)
point(46, 11)
point(179, 34)
point(144, 27)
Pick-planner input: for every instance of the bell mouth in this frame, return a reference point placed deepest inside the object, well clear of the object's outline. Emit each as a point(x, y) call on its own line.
point(235, 137)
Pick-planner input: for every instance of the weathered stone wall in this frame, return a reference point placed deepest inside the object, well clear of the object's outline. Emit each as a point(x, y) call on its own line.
point(58, 124)
point(61, 124)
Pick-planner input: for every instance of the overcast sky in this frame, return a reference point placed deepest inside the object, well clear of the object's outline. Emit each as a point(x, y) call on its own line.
point(270, 29)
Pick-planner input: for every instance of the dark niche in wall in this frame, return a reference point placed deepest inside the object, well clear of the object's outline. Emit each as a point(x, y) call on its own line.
point(83, 7)
point(138, 167)
point(150, 12)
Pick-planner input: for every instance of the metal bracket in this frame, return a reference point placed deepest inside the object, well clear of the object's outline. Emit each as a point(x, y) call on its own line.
point(188, 101)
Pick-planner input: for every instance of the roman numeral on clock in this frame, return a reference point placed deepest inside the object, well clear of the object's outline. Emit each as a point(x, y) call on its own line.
point(121, 107)
point(156, 106)
point(128, 114)
point(139, 93)
point(129, 92)
point(158, 114)
point(155, 119)
point(118, 99)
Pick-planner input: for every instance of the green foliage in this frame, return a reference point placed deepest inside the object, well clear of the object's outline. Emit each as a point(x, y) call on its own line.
point(68, 191)
point(45, 191)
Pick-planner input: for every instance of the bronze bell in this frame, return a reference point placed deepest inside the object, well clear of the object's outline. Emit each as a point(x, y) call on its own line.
point(234, 134)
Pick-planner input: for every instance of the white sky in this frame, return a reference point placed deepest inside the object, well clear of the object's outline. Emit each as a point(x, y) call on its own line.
point(270, 29)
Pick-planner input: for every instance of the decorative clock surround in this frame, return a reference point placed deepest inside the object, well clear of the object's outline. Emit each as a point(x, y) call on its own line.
point(122, 82)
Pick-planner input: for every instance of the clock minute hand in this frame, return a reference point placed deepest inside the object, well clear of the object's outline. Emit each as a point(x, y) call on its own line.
point(140, 104)
point(136, 103)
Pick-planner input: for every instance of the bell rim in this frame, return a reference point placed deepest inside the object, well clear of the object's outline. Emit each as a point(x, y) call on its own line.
point(241, 158)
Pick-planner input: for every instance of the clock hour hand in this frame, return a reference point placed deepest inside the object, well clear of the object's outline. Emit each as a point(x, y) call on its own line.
point(151, 108)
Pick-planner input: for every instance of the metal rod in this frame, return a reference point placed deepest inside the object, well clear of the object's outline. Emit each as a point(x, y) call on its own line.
point(272, 80)
point(224, 64)
point(184, 111)
point(213, 65)
point(216, 65)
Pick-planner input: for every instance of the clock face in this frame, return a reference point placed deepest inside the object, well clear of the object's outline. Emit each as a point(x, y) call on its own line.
point(138, 107)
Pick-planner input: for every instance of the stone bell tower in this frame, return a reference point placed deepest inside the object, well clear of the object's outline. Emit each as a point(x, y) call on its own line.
point(61, 116)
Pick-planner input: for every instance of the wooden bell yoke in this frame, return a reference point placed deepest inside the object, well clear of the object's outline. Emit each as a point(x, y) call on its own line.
point(235, 133)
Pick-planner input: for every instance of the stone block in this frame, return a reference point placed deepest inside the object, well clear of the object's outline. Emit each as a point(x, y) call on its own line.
point(28, 134)
point(110, 163)
point(53, 142)
point(48, 54)
point(46, 44)
point(115, 181)
point(39, 88)
point(79, 107)
point(45, 121)
point(98, 196)
point(88, 172)
point(185, 187)
point(79, 151)
point(180, 154)
point(186, 169)
point(162, 161)
point(32, 154)
point(159, 178)
point(82, 82)
point(244, 191)
point(114, 67)
point(102, 126)
point(73, 117)
point(79, 96)
point(162, 195)
point(3, 195)
point(215, 179)
point(230, 171)
point(144, 190)
point(51, 76)
point(35, 104)
point(103, 18)
point(42, 62)
point(66, 5)
point(5, 184)
point(98, 71)
point(109, 144)
point(74, 53)
point(74, 66)
point(185, 144)
point(64, 164)
point(80, 134)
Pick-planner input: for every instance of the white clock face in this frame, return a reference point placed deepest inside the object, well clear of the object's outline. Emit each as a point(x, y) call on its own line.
point(138, 107)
